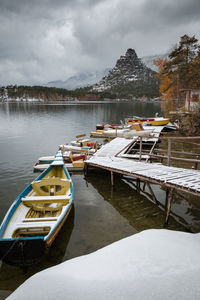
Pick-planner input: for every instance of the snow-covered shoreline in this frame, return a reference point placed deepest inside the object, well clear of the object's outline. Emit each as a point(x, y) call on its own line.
point(153, 264)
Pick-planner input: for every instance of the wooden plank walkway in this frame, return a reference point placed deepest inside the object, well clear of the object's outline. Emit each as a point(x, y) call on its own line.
point(187, 180)
point(114, 147)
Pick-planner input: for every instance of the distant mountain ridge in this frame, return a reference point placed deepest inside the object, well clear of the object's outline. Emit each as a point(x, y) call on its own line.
point(82, 79)
point(87, 78)
point(149, 60)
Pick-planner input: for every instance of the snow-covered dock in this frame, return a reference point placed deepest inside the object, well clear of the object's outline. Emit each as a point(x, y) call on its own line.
point(173, 178)
point(108, 157)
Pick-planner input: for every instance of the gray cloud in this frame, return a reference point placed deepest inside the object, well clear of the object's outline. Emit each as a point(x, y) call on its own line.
point(49, 40)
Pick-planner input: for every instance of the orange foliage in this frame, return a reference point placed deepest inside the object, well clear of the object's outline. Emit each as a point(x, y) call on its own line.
point(167, 89)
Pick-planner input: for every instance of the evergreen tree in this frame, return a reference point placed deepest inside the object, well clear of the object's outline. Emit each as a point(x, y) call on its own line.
point(179, 68)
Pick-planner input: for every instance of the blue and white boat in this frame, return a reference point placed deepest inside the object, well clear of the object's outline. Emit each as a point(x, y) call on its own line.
point(37, 215)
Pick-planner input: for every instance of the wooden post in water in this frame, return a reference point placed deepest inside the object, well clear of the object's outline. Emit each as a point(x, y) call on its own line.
point(112, 178)
point(196, 164)
point(138, 184)
point(169, 152)
point(166, 198)
point(169, 205)
point(152, 193)
point(85, 169)
point(143, 189)
point(140, 148)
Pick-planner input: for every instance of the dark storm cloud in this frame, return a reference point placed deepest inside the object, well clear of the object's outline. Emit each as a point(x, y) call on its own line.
point(173, 11)
point(43, 40)
point(32, 6)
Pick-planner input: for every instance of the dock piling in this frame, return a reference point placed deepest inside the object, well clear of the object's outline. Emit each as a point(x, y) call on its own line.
point(169, 205)
point(112, 178)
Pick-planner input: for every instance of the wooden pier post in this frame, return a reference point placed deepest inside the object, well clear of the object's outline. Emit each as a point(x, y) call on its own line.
point(196, 164)
point(112, 178)
point(140, 148)
point(152, 193)
point(166, 198)
point(143, 189)
point(85, 169)
point(169, 152)
point(138, 184)
point(169, 205)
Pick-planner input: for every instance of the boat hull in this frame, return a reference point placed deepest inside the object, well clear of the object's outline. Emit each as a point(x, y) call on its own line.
point(22, 252)
point(25, 240)
point(153, 122)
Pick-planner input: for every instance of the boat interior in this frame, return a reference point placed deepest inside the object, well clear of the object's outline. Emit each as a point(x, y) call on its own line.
point(40, 209)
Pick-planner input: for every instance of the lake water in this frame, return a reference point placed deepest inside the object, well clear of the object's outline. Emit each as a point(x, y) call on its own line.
point(102, 214)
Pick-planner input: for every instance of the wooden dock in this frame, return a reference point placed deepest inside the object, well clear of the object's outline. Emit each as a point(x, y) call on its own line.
point(172, 178)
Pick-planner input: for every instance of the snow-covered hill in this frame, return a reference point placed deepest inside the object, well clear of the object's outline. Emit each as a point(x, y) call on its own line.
point(129, 74)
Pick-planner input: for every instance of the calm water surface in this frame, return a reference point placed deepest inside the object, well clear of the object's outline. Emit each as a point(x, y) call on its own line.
point(101, 214)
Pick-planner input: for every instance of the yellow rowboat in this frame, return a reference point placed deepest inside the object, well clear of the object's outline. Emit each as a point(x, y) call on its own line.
point(37, 215)
point(151, 121)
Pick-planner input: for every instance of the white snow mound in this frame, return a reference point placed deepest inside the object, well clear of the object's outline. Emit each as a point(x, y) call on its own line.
point(153, 264)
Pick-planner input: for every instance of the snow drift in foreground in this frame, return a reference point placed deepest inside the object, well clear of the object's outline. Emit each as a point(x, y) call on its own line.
point(153, 264)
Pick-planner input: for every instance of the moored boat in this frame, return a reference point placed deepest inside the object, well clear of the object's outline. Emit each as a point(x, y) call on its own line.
point(84, 149)
point(157, 121)
point(76, 166)
point(67, 158)
point(37, 215)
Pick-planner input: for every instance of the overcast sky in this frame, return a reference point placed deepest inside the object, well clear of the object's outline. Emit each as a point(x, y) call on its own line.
point(45, 40)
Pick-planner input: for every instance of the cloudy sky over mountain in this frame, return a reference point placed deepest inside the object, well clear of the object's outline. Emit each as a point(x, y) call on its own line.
point(44, 40)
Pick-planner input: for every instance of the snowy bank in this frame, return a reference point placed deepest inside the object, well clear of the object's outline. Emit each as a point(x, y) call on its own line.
point(153, 264)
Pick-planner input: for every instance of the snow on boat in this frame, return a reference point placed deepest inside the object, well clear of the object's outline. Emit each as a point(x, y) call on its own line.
point(157, 121)
point(46, 159)
point(125, 133)
point(77, 149)
point(76, 166)
point(37, 215)
point(67, 156)
point(134, 130)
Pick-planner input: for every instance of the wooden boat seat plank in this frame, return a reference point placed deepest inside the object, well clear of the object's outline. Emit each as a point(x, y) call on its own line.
point(31, 220)
point(33, 224)
point(46, 198)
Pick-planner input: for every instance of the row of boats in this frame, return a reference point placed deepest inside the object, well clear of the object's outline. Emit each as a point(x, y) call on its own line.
point(130, 128)
point(38, 213)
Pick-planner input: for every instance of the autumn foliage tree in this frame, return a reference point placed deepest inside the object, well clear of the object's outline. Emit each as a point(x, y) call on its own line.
point(182, 68)
point(167, 88)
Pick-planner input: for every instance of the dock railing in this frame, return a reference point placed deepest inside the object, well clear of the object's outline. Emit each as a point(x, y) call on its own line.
point(171, 154)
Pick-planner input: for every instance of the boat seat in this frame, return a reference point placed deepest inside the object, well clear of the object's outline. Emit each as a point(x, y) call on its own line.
point(47, 186)
point(31, 220)
point(49, 204)
point(48, 199)
point(52, 207)
point(36, 228)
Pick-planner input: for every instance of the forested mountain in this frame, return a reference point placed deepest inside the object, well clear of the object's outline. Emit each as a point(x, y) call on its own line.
point(130, 76)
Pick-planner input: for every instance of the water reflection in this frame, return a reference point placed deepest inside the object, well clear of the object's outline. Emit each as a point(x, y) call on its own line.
point(108, 112)
point(103, 214)
point(11, 276)
point(136, 206)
